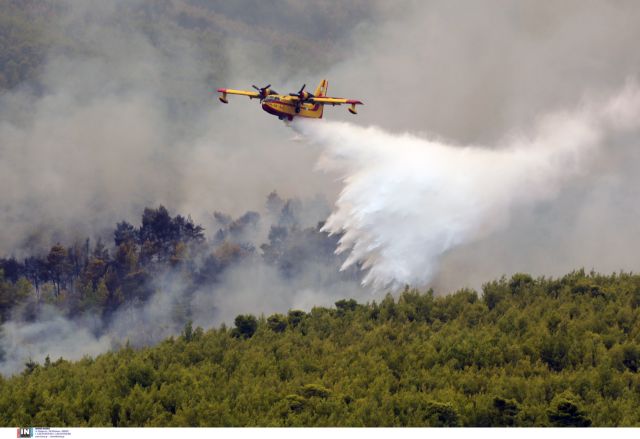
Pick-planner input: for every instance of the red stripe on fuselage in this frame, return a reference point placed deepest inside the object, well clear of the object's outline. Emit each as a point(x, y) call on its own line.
point(275, 112)
point(289, 104)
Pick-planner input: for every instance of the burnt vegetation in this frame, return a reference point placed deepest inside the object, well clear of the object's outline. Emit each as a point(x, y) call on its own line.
point(100, 277)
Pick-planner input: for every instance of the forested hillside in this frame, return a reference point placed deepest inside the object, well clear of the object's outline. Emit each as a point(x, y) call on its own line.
point(563, 352)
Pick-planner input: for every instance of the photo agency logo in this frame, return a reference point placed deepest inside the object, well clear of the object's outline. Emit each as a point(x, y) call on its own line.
point(25, 432)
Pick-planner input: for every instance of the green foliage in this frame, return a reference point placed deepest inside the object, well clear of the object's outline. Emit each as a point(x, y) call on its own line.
point(139, 373)
point(541, 355)
point(246, 326)
point(554, 351)
point(441, 415)
point(277, 322)
point(504, 412)
point(520, 282)
point(494, 293)
point(295, 317)
point(626, 356)
point(314, 390)
point(344, 305)
point(187, 331)
point(565, 413)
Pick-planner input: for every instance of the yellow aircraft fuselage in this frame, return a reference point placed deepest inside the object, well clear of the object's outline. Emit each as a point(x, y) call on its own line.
point(285, 108)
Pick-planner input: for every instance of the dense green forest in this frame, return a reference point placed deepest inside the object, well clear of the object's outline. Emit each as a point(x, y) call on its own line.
point(543, 352)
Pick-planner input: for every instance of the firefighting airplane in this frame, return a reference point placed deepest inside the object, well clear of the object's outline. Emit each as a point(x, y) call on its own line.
point(300, 104)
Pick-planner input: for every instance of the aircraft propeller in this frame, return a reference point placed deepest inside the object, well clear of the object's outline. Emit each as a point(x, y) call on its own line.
point(264, 91)
point(302, 97)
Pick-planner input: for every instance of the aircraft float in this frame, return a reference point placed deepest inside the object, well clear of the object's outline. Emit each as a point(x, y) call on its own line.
point(300, 104)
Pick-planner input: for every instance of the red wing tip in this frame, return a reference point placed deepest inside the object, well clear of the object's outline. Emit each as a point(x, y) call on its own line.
point(222, 90)
point(354, 102)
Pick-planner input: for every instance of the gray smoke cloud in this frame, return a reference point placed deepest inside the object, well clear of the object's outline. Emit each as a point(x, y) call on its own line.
point(128, 119)
point(53, 336)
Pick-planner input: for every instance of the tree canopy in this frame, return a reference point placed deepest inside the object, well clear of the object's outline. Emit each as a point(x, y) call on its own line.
point(543, 352)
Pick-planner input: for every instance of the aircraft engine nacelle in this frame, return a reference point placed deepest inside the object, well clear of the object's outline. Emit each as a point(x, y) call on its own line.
point(352, 109)
point(223, 98)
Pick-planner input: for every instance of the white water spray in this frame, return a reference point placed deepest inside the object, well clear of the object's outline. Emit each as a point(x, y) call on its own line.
point(408, 200)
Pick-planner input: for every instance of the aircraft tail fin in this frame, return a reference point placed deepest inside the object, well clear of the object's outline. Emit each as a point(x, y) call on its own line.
point(321, 90)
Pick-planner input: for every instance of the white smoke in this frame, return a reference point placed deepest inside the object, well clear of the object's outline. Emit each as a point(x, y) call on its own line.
point(407, 200)
point(51, 336)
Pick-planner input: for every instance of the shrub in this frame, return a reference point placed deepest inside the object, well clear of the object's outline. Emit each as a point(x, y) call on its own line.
point(314, 390)
point(296, 317)
point(246, 326)
point(277, 323)
point(441, 415)
point(565, 412)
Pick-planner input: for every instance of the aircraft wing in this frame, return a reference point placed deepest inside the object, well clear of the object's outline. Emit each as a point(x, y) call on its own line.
point(334, 101)
point(337, 101)
point(251, 94)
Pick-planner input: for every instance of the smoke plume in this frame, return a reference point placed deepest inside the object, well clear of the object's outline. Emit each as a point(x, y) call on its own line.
point(408, 200)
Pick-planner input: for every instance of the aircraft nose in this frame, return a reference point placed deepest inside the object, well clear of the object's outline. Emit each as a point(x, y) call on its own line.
point(269, 109)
